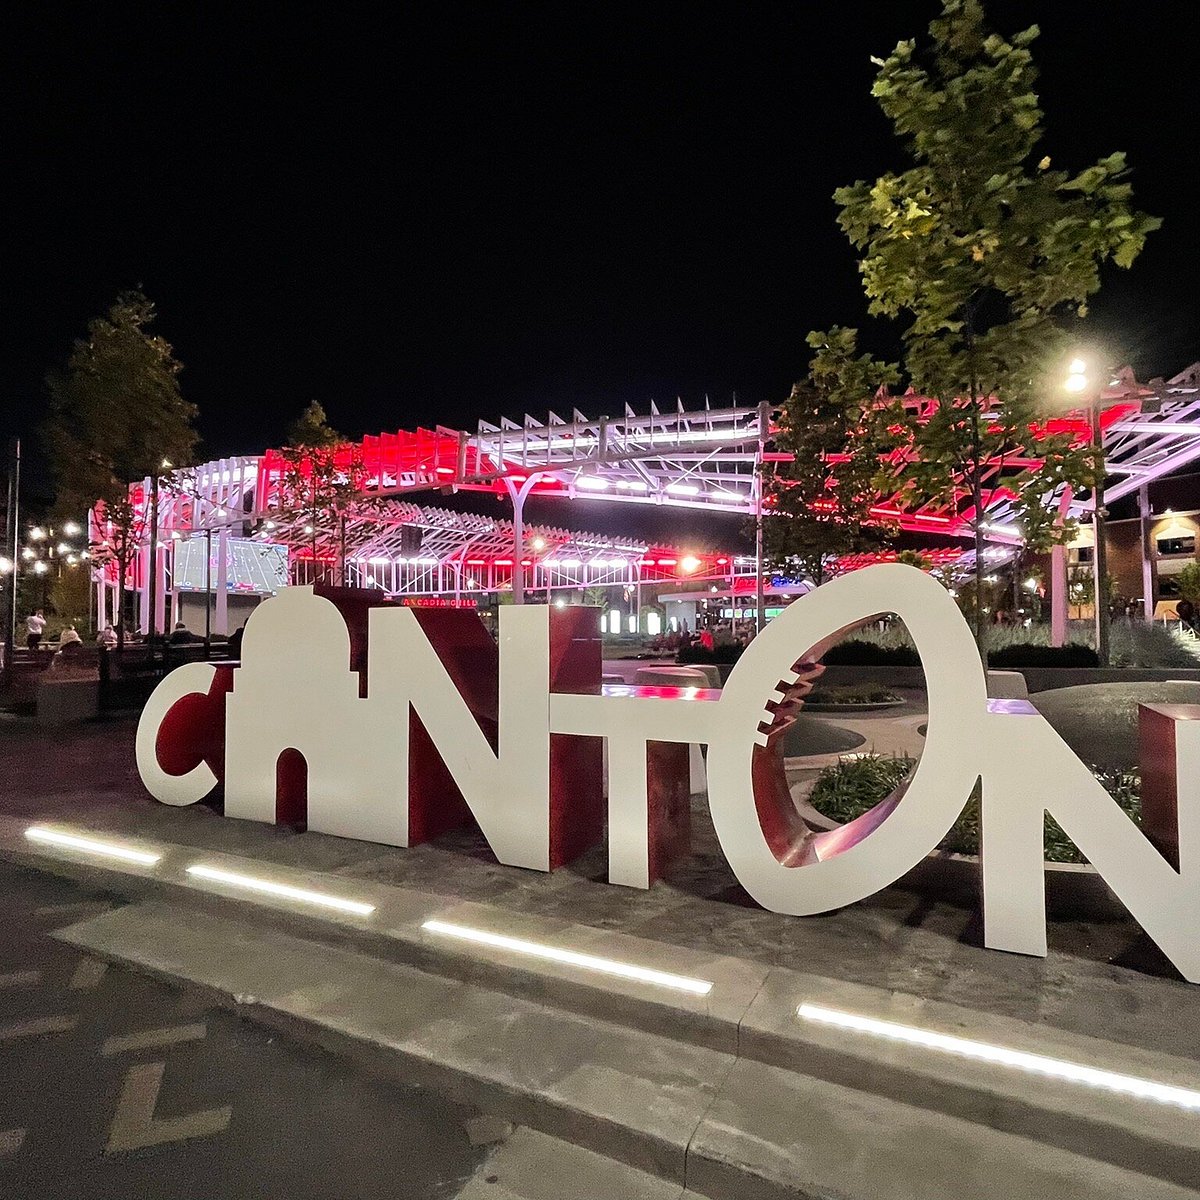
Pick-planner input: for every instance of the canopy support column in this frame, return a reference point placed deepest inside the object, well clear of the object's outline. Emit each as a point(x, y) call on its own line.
point(1149, 563)
point(518, 494)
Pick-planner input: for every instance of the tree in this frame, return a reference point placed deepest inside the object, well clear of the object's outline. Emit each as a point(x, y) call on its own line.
point(312, 429)
point(983, 250)
point(116, 416)
point(820, 501)
point(322, 480)
point(1189, 582)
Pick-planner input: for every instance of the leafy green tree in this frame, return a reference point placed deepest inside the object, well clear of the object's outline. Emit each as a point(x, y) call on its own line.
point(982, 250)
point(312, 429)
point(1189, 583)
point(820, 502)
point(116, 416)
point(322, 480)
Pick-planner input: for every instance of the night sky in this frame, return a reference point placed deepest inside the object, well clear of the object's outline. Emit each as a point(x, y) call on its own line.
point(451, 212)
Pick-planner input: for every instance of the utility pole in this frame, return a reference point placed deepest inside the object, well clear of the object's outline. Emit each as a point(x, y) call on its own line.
point(11, 527)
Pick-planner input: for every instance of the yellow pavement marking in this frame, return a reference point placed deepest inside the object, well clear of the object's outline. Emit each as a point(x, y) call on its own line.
point(88, 974)
point(37, 1026)
point(135, 1125)
point(15, 979)
point(150, 1038)
point(11, 1140)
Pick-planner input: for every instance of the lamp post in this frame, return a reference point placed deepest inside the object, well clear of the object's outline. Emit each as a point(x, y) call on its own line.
point(47, 550)
point(152, 583)
point(1079, 384)
point(9, 556)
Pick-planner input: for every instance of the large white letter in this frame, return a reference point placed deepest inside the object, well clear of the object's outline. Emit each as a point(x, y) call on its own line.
point(508, 792)
point(295, 690)
point(1029, 771)
point(944, 777)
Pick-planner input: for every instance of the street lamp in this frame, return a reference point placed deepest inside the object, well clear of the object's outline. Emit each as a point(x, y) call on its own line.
point(152, 598)
point(45, 548)
point(1081, 384)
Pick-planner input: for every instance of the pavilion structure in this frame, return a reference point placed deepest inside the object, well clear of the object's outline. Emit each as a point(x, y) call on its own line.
point(709, 460)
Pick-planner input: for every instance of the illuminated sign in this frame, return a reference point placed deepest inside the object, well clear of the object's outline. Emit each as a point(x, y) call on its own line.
point(438, 602)
point(449, 725)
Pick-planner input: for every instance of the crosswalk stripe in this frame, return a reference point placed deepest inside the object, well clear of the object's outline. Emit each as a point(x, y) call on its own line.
point(149, 1039)
point(16, 979)
point(135, 1125)
point(36, 1027)
point(88, 974)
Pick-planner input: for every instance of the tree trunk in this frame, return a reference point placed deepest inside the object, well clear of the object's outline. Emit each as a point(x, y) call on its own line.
point(120, 607)
point(979, 569)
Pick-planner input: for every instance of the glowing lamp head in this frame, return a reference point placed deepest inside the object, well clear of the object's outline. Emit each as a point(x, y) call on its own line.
point(37, 534)
point(6, 566)
point(71, 528)
point(690, 563)
point(1076, 383)
point(539, 543)
point(40, 568)
point(1077, 366)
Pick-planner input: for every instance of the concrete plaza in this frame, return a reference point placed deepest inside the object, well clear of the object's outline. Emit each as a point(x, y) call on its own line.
point(1103, 992)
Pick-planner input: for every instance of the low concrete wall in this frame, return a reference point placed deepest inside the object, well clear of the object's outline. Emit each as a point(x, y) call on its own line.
point(64, 701)
point(1074, 891)
point(1044, 679)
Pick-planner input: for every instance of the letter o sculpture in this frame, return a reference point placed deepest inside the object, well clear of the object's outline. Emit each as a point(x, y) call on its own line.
point(857, 866)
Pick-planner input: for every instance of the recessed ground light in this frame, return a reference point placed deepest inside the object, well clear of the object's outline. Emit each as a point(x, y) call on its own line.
point(86, 845)
point(1002, 1056)
point(586, 962)
point(267, 886)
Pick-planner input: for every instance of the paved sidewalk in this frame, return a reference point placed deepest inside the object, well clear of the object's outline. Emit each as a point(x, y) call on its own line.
point(1104, 979)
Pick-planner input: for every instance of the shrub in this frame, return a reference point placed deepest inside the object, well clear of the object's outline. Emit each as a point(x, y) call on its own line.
point(1131, 644)
point(723, 652)
point(849, 788)
point(1026, 654)
point(858, 652)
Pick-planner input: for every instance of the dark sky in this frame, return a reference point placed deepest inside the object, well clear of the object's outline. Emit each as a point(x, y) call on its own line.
point(444, 212)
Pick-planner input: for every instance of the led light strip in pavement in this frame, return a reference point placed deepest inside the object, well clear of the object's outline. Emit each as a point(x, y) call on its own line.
point(283, 890)
point(71, 841)
point(1036, 1064)
point(586, 962)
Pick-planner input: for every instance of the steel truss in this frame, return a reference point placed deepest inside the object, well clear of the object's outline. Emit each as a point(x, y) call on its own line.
point(709, 460)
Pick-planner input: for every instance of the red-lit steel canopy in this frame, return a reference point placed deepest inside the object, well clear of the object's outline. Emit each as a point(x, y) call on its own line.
point(708, 459)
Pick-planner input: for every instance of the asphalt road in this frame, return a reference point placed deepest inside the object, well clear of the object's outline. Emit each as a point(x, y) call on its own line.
point(115, 1086)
